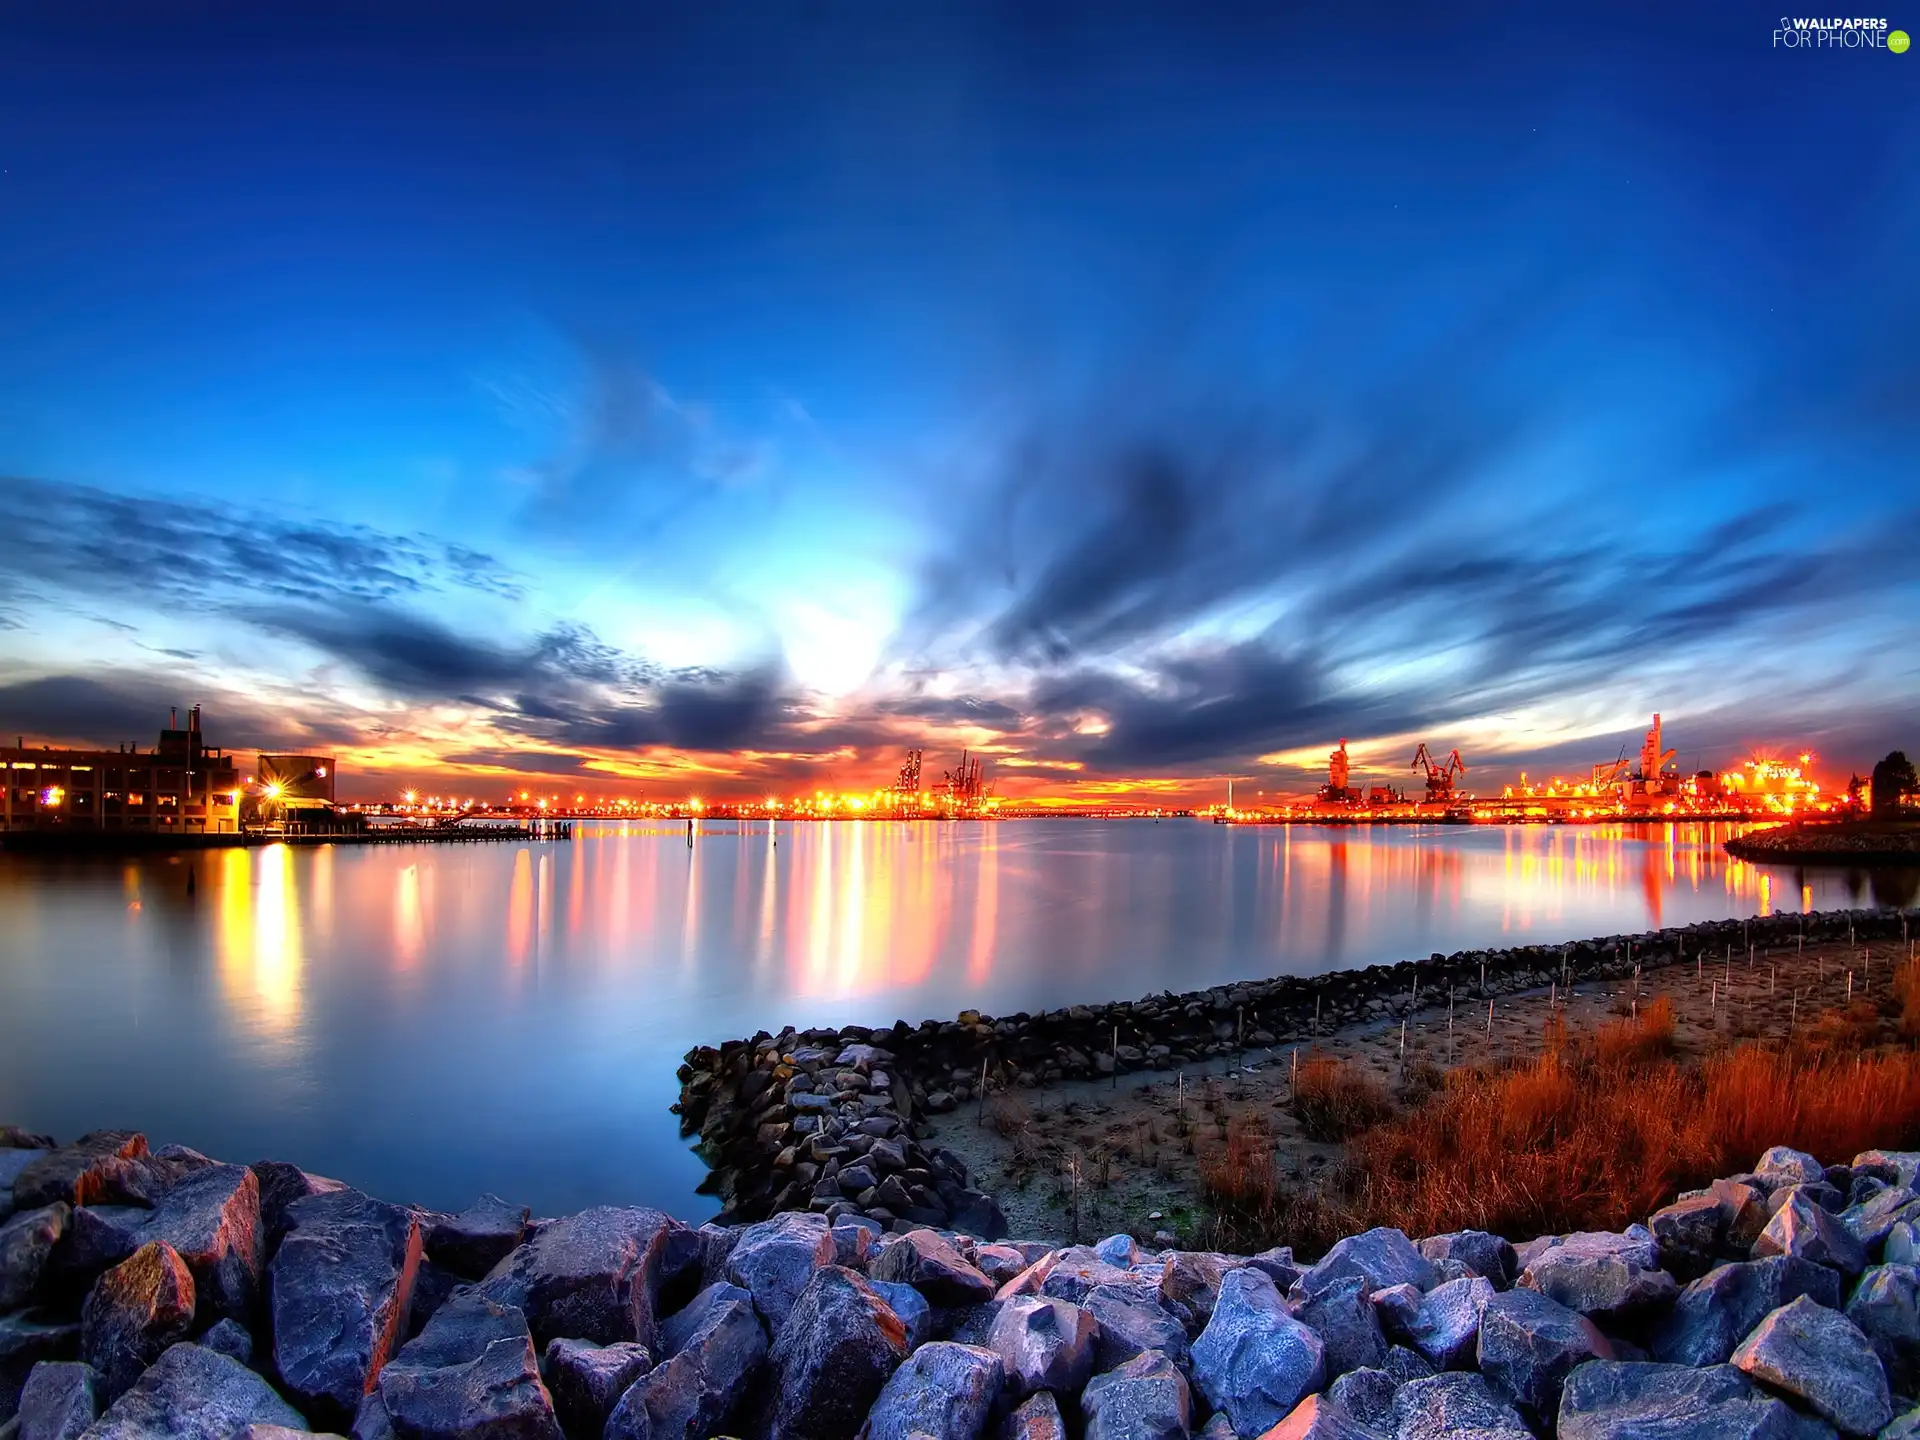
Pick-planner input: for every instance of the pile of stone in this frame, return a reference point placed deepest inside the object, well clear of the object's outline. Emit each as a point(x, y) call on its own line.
point(160, 1295)
point(785, 1120)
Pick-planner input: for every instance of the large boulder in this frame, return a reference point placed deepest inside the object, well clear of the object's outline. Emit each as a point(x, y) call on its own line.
point(1189, 1283)
point(1145, 1399)
point(1445, 1330)
point(1690, 1231)
point(1616, 1400)
point(1382, 1257)
point(1485, 1255)
point(1885, 1305)
point(98, 1237)
point(715, 1349)
point(1873, 1219)
point(1783, 1165)
point(916, 1314)
point(1255, 1360)
point(776, 1259)
point(280, 1185)
point(1529, 1344)
point(14, 1159)
point(60, 1400)
point(61, 1174)
point(1320, 1417)
point(1366, 1395)
point(1803, 1229)
point(212, 1218)
point(27, 1243)
point(1820, 1357)
point(1044, 1344)
point(1073, 1273)
point(1605, 1276)
point(339, 1290)
point(591, 1276)
point(587, 1380)
point(28, 1337)
point(1716, 1312)
point(1035, 1418)
point(478, 1238)
point(135, 1313)
point(1341, 1312)
point(192, 1393)
point(839, 1346)
point(230, 1337)
point(1130, 1321)
point(944, 1391)
point(1455, 1406)
point(1896, 1167)
point(922, 1259)
point(470, 1375)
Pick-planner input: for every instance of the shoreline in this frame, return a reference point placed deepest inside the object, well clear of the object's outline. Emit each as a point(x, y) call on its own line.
point(1833, 843)
point(782, 1118)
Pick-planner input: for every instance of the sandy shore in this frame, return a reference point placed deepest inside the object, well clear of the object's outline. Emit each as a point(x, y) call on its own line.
point(1138, 1164)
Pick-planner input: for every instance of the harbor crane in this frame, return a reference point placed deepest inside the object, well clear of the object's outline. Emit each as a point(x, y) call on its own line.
point(1440, 778)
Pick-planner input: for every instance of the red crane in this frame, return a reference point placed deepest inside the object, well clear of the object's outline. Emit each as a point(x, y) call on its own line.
point(1440, 778)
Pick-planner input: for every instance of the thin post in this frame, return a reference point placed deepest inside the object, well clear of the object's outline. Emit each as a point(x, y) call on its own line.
point(1769, 979)
point(1793, 1014)
point(1239, 1026)
point(1183, 1090)
point(1489, 1019)
point(1713, 999)
point(1116, 1058)
point(980, 1111)
point(1849, 987)
point(1403, 1044)
point(1483, 977)
point(1316, 1014)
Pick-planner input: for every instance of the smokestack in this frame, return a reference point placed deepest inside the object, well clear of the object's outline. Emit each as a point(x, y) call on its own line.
point(173, 717)
point(193, 720)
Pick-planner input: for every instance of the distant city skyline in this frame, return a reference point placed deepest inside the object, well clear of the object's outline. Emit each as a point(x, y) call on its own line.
point(724, 403)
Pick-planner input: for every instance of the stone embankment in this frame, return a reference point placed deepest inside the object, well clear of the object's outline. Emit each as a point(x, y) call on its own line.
point(828, 1120)
point(160, 1295)
point(1853, 842)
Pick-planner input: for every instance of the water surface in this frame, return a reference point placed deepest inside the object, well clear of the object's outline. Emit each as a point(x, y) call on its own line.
point(429, 1022)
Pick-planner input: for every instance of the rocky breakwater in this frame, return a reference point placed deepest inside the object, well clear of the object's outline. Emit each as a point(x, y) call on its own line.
point(1780, 1303)
point(825, 1120)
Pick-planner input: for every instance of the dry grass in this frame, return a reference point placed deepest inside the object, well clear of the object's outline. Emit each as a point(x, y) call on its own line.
point(1334, 1100)
point(1906, 989)
point(1592, 1134)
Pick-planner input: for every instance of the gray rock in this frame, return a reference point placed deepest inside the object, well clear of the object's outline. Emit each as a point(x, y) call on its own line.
point(717, 1348)
point(587, 1380)
point(912, 1308)
point(852, 1244)
point(1613, 1400)
point(1819, 1356)
point(14, 1159)
point(1902, 1427)
point(98, 1237)
point(1801, 1228)
point(1871, 1221)
point(1044, 1344)
point(1121, 1250)
point(339, 1291)
point(977, 1213)
point(1886, 1307)
point(1716, 1312)
point(137, 1311)
point(1397, 1307)
point(840, 1344)
point(1218, 1427)
point(212, 1218)
point(1255, 1360)
point(1689, 1231)
point(432, 1288)
point(1189, 1283)
point(1145, 1399)
point(1743, 1210)
point(27, 1243)
point(230, 1337)
point(1446, 1329)
point(27, 1338)
point(478, 1238)
point(60, 1174)
point(1342, 1314)
point(1129, 1322)
point(1073, 1273)
point(471, 1373)
point(1783, 1165)
point(60, 1401)
point(1320, 1417)
point(944, 1391)
point(1035, 1418)
point(1454, 1406)
point(192, 1393)
point(776, 1259)
point(1278, 1264)
point(1604, 1276)
point(1903, 1244)
point(1896, 1167)
point(1404, 1365)
point(1381, 1256)
point(591, 1276)
point(922, 1259)
point(1485, 1255)
point(1367, 1395)
point(280, 1185)
point(1529, 1344)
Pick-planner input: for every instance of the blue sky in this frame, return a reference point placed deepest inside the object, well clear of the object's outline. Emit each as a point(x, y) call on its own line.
point(738, 397)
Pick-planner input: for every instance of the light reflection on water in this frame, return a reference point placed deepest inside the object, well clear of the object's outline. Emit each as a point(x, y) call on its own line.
point(432, 1021)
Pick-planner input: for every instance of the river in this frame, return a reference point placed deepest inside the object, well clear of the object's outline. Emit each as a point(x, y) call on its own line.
point(428, 1022)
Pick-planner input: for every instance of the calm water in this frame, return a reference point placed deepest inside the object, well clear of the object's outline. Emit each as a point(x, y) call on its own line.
point(432, 1021)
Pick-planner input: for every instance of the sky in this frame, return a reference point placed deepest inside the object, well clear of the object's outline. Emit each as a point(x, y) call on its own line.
point(724, 399)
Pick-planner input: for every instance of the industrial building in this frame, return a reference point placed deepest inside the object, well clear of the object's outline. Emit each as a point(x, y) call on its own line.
point(179, 787)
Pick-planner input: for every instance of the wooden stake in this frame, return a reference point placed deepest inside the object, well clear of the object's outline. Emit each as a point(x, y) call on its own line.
point(980, 1112)
point(1489, 1019)
point(1116, 1058)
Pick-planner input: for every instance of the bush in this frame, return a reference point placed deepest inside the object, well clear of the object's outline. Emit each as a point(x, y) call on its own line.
point(1334, 1100)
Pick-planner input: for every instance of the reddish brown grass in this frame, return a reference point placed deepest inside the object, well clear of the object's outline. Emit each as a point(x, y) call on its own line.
point(1334, 1100)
